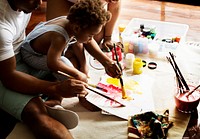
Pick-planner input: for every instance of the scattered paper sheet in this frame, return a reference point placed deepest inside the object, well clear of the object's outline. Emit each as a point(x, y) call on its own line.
point(142, 97)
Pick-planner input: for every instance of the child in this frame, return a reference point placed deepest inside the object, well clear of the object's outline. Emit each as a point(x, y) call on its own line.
point(47, 46)
point(103, 38)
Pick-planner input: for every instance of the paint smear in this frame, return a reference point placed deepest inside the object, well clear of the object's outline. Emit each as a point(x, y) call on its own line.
point(129, 84)
point(113, 81)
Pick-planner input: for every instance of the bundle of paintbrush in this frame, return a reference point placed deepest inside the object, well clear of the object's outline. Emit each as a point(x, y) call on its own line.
point(181, 82)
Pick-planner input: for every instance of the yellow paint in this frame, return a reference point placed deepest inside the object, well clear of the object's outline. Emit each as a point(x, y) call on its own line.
point(124, 96)
point(130, 84)
point(113, 81)
point(133, 86)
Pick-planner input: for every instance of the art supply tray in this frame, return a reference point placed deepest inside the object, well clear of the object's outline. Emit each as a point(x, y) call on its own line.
point(167, 35)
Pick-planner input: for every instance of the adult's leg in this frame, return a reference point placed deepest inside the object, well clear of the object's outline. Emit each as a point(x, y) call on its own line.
point(31, 110)
point(43, 126)
point(7, 123)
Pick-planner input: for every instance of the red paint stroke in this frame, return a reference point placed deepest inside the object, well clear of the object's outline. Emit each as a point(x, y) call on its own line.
point(110, 88)
point(113, 91)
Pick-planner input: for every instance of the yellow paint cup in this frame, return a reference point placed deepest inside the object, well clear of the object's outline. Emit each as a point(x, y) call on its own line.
point(137, 66)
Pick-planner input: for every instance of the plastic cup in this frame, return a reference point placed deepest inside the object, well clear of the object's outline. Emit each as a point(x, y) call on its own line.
point(129, 60)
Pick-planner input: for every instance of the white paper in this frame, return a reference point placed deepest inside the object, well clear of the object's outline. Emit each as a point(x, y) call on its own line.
point(142, 102)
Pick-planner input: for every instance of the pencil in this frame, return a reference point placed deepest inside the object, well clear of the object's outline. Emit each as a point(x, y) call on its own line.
point(120, 78)
point(89, 88)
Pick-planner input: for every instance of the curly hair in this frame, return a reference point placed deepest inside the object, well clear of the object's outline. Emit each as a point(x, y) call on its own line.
point(87, 13)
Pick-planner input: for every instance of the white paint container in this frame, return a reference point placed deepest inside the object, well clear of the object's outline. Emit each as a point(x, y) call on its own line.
point(129, 60)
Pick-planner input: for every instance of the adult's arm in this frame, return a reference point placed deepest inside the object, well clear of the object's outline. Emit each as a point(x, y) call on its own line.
point(19, 81)
point(27, 84)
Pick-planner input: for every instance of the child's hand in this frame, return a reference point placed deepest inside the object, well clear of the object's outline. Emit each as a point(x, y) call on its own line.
point(113, 70)
point(81, 76)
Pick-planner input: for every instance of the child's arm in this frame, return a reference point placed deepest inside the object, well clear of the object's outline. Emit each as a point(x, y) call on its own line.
point(55, 63)
point(111, 67)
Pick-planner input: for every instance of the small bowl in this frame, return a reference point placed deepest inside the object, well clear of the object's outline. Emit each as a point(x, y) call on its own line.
point(185, 103)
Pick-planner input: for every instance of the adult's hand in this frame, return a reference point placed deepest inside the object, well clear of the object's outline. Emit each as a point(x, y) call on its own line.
point(71, 88)
point(107, 45)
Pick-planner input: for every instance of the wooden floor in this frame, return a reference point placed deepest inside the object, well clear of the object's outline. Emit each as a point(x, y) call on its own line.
point(149, 9)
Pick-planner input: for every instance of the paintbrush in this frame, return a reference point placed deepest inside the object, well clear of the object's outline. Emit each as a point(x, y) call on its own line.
point(193, 90)
point(92, 85)
point(180, 84)
point(179, 72)
point(105, 96)
point(91, 89)
point(120, 78)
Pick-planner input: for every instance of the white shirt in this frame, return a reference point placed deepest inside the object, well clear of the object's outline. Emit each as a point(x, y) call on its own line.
point(12, 30)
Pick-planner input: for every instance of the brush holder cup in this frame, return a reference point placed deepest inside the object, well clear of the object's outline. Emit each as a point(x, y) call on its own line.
point(185, 102)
